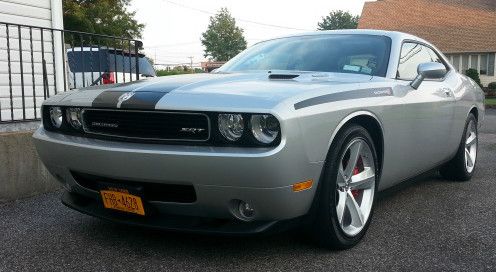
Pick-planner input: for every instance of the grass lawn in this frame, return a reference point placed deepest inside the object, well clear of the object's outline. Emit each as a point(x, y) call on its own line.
point(491, 101)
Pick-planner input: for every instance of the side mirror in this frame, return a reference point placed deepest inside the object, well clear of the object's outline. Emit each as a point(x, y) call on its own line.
point(428, 70)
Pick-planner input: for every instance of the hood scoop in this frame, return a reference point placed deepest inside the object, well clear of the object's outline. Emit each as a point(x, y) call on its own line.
point(283, 76)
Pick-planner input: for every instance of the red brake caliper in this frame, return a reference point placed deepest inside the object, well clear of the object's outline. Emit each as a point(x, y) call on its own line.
point(358, 168)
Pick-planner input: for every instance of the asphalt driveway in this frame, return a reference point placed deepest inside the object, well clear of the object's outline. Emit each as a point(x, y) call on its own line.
point(429, 225)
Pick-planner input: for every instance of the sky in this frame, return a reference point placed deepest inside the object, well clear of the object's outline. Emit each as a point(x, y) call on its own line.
point(173, 27)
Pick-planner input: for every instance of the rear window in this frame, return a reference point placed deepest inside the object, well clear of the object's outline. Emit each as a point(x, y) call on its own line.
point(86, 61)
point(107, 61)
point(127, 63)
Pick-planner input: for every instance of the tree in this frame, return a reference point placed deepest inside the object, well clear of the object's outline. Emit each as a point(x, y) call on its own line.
point(223, 39)
point(109, 17)
point(338, 20)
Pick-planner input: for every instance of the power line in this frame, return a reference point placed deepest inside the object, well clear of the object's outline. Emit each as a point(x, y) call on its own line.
point(169, 52)
point(186, 60)
point(171, 56)
point(189, 43)
point(172, 44)
point(179, 64)
point(241, 20)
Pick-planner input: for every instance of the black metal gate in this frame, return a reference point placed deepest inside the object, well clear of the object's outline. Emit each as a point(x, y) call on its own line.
point(34, 65)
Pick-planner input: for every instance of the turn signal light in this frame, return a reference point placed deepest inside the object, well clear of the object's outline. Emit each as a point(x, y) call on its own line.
point(300, 186)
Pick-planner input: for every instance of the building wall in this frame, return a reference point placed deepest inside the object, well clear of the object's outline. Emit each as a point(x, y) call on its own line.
point(22, 174)
point(40, 13)
point(27, 12)
point(484, 63)
point(485, 80)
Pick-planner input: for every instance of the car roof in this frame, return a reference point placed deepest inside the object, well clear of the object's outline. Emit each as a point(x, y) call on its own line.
point(394, 35)
point(96, 49)
point(89, 48)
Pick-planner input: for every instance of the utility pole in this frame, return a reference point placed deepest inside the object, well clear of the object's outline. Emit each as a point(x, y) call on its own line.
point(191, 62)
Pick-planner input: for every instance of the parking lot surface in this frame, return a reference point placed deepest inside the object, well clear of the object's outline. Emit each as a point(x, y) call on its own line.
point(429, 225)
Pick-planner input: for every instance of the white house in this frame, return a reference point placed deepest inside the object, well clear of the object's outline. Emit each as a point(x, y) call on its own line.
point(16, 88)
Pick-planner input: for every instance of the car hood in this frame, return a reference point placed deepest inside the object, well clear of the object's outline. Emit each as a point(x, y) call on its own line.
point(209, 91)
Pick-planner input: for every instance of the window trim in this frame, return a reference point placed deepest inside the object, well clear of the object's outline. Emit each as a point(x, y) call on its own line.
point(487, 63)
point(448, 67)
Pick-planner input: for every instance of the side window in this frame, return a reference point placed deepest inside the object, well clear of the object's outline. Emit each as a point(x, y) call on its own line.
point(413, 54)
point(434, 56)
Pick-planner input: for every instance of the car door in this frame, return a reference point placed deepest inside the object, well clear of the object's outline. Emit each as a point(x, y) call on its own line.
point(421, 118)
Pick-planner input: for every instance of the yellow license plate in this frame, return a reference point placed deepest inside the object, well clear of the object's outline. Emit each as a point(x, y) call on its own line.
point(122, 201)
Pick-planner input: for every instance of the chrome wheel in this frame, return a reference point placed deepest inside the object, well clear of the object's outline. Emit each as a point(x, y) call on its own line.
point(470, 146)
point(355, 187)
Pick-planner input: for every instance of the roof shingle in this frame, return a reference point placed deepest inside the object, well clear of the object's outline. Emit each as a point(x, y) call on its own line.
point(454, 26)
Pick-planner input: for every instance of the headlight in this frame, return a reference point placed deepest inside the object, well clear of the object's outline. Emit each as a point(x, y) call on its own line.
point(56, 116)
point(231, 126)
point(74, 117)
point(265, 128)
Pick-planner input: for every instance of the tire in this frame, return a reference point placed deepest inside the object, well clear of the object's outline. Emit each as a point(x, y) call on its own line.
point(329, 229)
point(461, 168)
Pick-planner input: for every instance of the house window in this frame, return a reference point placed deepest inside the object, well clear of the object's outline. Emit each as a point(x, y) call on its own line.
point(479, 62)
point(484, 64)
point(464, 63)
point(474, 62)
point(456, 62)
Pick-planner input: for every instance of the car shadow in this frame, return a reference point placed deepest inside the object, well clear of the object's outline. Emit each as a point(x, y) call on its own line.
point(108, 234)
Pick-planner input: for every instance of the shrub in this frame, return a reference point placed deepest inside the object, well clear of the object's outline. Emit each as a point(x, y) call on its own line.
point(492, 86)
point(491, 89)
point(473, 74)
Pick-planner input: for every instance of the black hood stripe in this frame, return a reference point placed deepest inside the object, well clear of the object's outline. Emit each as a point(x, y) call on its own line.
point(142, 101)
point(107, 99)
point(144, 97)
point(354, 94)
point(147, 93)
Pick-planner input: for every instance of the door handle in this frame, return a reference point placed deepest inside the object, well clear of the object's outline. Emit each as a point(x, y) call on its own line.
point(446, 91)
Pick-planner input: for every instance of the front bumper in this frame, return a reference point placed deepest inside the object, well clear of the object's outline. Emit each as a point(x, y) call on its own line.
point(169, 222)
point(219, 175)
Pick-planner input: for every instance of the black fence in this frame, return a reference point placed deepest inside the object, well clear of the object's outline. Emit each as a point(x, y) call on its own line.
point(37, 62)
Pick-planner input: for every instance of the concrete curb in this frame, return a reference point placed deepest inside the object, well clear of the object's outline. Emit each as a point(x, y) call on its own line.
point(22, 174)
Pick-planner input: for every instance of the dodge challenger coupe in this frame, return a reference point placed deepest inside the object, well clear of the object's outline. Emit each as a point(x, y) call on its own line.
point(301, 130)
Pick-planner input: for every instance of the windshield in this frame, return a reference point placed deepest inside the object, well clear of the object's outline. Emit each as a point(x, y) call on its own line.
point(358, 54)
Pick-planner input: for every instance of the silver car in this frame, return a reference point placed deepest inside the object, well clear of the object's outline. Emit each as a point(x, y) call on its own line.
point(301, 130)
